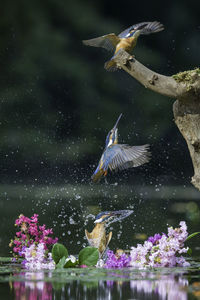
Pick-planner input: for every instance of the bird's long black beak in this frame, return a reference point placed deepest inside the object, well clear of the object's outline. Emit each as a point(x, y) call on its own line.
point(114, 128)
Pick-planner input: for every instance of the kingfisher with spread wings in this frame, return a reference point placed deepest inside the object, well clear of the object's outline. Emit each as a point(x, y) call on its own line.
point(98, 237)
point(126, 40)
point(119, 156)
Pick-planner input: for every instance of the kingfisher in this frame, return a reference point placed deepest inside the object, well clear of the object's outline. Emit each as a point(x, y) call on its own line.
point(98, 237)
point(119, 156)
point(126, 40)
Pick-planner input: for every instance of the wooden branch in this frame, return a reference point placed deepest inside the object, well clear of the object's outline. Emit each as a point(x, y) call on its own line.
point(185, 87)
point(165, 85)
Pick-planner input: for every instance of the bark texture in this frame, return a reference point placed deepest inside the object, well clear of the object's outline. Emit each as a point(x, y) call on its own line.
point(185, 88)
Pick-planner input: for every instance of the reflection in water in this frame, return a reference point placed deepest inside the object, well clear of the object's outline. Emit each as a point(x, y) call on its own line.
point(165, 287)
point(145, 286)
point(34, 288)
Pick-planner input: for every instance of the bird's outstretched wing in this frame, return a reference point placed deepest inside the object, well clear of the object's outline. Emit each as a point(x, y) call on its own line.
point(108, 41)
point(126, 156)
point(108, 238)
point(91, 240)
point(144, 27)
point(88, 235)
point(152, 27)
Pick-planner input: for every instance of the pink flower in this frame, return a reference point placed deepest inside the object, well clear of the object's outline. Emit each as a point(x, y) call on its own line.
point(17, 242)
point(23, 237)
point(83, 266)
point(31, 233)
point(42, 228)
point(34, 218)
point(15, 249)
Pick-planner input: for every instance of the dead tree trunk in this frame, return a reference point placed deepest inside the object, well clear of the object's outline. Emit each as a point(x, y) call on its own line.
point(185, 88)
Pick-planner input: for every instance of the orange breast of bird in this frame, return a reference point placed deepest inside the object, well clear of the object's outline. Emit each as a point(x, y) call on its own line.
point(127, 44)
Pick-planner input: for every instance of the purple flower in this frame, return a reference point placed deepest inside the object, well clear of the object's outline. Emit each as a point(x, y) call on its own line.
point(115, 261)
point(155, 238)
point(162, 250)
point(36, 259)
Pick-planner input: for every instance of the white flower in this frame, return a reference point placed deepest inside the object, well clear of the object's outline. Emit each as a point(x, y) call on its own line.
point(71, 258)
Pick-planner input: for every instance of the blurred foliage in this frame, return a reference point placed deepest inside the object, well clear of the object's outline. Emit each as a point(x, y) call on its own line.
point(58, 102)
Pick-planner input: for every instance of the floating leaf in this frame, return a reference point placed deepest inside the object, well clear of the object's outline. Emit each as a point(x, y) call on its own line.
point(58, 252)
point(192, 235)
point(7, 259)
point(88, 256)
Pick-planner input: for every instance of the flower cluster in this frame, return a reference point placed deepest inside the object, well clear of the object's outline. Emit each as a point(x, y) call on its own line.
point(37, 259)
point(31, 233)
point(162, 250)
point(120, 260)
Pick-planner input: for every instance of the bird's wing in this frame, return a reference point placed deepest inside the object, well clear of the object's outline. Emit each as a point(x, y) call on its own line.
point(88, 236)
point(107, 157)
point(144, 27)
point(152, 27)
point(128, 156)
point(108, 41)
point(108, 238)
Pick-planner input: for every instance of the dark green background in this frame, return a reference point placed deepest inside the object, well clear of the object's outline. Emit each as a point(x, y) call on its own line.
point(58, 102)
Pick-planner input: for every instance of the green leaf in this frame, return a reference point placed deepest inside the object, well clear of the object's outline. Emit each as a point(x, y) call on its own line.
point(61, 263)
point(192, 235)
point(88, 256)
point(58, 252)
point(189, 252)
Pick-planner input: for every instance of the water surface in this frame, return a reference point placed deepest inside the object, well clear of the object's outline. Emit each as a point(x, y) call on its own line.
point(70, 209)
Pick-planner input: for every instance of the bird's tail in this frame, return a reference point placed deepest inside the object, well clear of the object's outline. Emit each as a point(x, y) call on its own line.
point(152, 27)
point(110, 66)
point(99, 172)
point(97, 175)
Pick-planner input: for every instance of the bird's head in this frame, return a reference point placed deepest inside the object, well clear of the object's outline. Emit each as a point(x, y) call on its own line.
point(108, 217)
point(112, 137)
point(103, 217)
